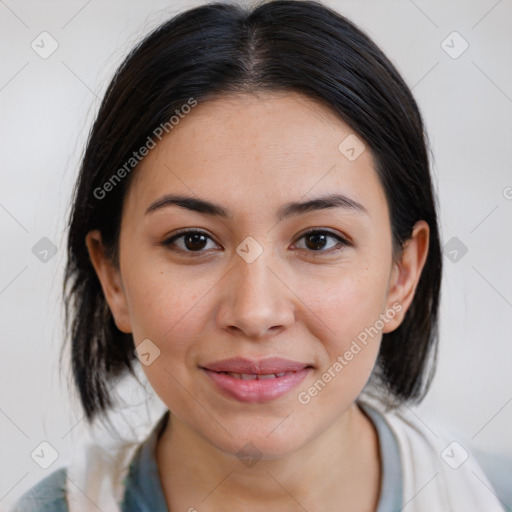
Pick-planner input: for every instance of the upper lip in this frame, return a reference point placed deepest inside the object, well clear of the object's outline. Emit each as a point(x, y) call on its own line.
point(254, 367)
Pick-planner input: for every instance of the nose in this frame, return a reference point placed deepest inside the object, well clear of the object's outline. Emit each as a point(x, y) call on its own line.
point(256, 301)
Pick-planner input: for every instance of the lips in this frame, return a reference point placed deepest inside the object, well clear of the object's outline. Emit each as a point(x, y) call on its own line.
point(256, 381)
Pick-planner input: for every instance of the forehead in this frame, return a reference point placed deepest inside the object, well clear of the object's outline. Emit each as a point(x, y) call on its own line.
point(247, 148)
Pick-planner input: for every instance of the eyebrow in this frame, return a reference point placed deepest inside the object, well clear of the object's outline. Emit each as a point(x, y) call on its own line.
point(295, 208)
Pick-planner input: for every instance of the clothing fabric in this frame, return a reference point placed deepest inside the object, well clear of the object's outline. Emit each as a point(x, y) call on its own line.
point(439, 474)
point(144, 492)
point(415, 476)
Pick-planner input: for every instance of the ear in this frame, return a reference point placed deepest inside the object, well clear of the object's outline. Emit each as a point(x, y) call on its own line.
point(110, 279)
point(406, 274)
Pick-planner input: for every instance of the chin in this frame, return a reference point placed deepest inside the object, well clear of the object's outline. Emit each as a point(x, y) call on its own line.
point(260, 441)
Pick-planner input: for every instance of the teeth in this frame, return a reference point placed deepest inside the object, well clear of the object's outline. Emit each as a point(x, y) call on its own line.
point(270, 376)
point(247, 376)
point(252, 376)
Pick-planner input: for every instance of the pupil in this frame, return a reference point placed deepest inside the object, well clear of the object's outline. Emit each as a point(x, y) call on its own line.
point(315, 241)
point(195, 241)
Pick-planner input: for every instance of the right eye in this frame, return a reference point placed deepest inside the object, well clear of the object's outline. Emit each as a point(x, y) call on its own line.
point(190, 242)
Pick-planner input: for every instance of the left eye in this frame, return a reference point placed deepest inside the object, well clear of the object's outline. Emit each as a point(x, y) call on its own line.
point(320, 241)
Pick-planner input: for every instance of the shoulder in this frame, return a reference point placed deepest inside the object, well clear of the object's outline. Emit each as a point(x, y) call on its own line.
point(48, 495)
point(437, 466)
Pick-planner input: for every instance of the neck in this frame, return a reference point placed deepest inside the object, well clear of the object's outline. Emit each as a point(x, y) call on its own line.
point(338, 470)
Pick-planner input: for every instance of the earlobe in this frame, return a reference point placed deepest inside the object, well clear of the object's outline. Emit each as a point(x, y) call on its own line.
point(109, 276)
point(406, 274)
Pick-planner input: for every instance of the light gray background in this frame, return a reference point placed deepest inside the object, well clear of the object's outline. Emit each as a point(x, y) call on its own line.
point(47, 106)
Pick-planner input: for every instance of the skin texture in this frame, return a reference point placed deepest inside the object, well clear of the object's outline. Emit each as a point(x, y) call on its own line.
point(251, 154)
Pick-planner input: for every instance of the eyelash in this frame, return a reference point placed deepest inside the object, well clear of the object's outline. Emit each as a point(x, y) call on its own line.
point(342, 242)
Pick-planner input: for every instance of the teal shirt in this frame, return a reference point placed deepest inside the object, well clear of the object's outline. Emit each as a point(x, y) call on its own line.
point(144, 493)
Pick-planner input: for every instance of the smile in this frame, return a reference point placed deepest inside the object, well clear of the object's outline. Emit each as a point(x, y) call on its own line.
point(254, 376)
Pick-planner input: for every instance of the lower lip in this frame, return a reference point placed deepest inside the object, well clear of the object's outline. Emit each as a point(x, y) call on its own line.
point(257, 391)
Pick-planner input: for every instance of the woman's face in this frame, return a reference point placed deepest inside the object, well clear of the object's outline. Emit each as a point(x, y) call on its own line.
point(293, 261)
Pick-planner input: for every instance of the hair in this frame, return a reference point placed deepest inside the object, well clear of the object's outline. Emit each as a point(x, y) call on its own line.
point(221, 49)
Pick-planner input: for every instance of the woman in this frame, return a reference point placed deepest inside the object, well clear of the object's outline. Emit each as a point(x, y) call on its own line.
point(255, 223)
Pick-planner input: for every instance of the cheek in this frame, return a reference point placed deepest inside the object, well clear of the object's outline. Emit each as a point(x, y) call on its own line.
point(347, 303)
point(164, 302)
point(346, 309)
point(169, 308)
point(346, 327)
